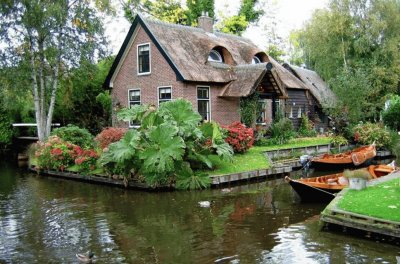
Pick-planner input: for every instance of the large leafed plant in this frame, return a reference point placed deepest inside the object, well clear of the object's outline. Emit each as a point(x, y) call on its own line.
point(169, 144)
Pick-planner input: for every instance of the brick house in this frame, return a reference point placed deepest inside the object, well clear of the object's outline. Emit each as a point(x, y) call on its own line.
point(159, 62)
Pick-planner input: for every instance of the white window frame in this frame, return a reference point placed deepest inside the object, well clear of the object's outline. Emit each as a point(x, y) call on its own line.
point(262, 112)
point(158, 94)
point(209, 99)
point(255, 60)
point(137, 58)
point(216, 53)
point(129, 103)
point(299, 112)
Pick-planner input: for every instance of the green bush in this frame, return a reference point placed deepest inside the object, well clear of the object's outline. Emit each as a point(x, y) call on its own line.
point(306, 128)
point(367, 133)
point(74, 135)
point(391, 116)
point(281, 131)
point(167, 146)
point(6, 131)
point(338, 141)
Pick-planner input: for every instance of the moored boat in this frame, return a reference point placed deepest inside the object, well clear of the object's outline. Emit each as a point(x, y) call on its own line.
point(355, 157)
point(323, 188)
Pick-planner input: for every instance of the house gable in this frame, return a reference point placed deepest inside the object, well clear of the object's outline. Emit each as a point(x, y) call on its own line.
point(127, 46)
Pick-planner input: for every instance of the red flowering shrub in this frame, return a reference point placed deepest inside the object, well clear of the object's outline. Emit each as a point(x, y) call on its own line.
point(55, 154)
point(86, 159)
point(239, 137)
point(109, 135)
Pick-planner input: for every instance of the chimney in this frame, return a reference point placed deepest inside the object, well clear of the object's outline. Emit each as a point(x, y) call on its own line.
point(205, 22)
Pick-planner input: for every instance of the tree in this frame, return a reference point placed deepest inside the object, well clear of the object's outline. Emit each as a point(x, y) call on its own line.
point(165, 10)
point(77, 102)
point(237, 24)
point(357, 37)
point(196, 8)
point(50, 37)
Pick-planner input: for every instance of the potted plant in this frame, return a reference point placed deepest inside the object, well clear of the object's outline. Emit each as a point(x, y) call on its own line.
point(357, 178)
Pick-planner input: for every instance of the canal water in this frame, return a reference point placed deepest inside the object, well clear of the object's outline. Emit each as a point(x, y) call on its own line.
point(48, 220)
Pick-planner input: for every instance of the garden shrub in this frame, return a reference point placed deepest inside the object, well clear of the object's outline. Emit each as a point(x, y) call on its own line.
point(367, 133)
point(86, 159)
point(306, 128)
point(74, 135)
point(58, 154)
point(6, 132)
point(164, 149)
point(281, 131)
point(55, 154)
point(239, 137)
point(338, 140)
point(109, 135)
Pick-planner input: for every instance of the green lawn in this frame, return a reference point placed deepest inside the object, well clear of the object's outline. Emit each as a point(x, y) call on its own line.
point(254, 159)
point(381, 201)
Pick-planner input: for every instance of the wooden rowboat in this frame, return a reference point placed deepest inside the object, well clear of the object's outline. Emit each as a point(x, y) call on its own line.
point(323, 188)
point(355, 157)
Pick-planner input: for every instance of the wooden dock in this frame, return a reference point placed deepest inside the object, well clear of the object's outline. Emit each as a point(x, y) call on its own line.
point(334, 215)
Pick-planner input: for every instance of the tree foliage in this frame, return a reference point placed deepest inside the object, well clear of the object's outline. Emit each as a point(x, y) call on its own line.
point(356, 41)
point(391, 115)
point(47, 38)
point(82, 100)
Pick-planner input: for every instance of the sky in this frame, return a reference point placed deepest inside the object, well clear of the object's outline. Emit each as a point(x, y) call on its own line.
point(290, 15)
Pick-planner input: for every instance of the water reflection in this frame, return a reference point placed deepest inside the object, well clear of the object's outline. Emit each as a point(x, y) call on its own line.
point(47, 220)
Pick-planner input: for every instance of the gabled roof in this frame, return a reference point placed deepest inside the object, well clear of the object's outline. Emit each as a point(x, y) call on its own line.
point(317, 87)
point(186, 50)
point(249, 77)
point(286, 77)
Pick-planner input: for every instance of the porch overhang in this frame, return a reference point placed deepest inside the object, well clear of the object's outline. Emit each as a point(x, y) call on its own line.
point(256, 77)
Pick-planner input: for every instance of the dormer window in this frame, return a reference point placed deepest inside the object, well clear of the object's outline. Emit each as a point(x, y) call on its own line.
point(255, 60)
point(215, 56)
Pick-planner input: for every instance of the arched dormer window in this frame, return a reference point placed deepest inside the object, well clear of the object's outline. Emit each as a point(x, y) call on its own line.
point(259, 57)
point(214, 55)
point(255, 60)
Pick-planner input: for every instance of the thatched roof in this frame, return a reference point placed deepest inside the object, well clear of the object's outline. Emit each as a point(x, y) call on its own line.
point(287, 79)
point(251, 76)
point(186, 49)
point(317, 87)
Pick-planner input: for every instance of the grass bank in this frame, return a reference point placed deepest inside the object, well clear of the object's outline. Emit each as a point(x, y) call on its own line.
point(254, 159)
point(380, 201)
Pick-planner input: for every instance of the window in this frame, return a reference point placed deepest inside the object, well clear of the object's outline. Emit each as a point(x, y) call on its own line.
point(143, 53)
point(299, 112)
point(134, 99)
point(290, 111)
point(261, 115)
point(164, 94)
point(215, 56)
point(203, 102)
point(255, 60)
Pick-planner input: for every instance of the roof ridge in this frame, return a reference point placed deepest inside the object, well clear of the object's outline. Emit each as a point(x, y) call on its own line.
point(186, 27)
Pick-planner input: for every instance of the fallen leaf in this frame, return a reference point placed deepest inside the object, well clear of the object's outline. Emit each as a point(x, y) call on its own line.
point(392, 206)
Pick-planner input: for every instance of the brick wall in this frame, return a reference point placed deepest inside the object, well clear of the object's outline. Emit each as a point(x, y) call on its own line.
point(224, 111)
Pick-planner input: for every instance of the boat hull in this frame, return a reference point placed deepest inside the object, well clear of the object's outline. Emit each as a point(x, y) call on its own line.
point(310, 194)
point(323, 165)
point(322, 189)
point(354, 158)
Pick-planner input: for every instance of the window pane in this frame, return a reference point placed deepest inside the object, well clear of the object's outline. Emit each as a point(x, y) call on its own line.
point(202, 93)
point(203, 108)
point(144, 58)
point(165, 93)
point(134, 95)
